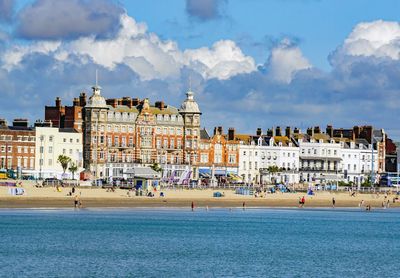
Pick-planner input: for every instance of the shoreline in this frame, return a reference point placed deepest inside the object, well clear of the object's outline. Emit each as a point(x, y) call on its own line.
point(65, 202)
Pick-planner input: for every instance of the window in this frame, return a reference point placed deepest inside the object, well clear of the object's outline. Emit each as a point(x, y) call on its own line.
point(71, 140)
point(50, 162)
point(232, 158)
point(50, 149)
point(250, 165)
point(25, 149)
point(172, 143)
point(64, 151)
point(64, 140)
point(50, 138)
point(204, 158)
point(77, 140)
point(244, 165)
point(19, 149)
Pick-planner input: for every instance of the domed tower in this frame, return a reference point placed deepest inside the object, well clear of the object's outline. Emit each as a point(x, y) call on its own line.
point(94, 137)
point(191, 130)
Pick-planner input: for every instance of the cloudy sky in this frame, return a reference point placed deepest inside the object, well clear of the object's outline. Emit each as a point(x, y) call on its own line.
point(253, 63)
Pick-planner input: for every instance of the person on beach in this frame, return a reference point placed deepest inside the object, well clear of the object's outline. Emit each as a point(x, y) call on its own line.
point(333, 202)
point(303, 201)
point(192, 206)
point(76, 201)
point(361, 205)
point(244, 205)
point(299, 202)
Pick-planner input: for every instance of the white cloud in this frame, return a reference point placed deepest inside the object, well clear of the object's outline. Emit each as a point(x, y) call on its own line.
point(377, 38)
point(285, 61)
point(145, 53)
point(223, 60)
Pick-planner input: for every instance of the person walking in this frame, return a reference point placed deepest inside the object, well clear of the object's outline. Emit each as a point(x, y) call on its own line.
point(333, 202)
point(192, 206)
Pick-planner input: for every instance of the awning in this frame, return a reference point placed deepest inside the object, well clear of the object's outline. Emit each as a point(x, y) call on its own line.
point(143, 172)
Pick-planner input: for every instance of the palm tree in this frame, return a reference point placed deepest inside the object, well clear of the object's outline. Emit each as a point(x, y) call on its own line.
point(64, 161)
point(73, 168)
point(156, 167)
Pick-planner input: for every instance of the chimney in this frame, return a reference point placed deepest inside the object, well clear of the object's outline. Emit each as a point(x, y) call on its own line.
point(310, 131)
point(112, 101)
point(329, 130)
point(220, 131)
point(20, 122)
point(75, 102)
point(356, 131)
point(127, 101)
point(3, 123)
point(278, 131)
point(296, 131)
point(58, 102)
point(215, 131)
point(160, 105)
point(259, 131)
point(135, 102)
point(82, 99)
point(119, 101)
point(288, 132)
point(317, 130)
point(270, 133)
point(231, 134)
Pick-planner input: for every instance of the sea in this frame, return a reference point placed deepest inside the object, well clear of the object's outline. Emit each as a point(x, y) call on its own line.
point(203, 243)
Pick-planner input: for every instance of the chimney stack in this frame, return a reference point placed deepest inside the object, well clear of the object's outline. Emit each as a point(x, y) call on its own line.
point(288, 132)
point(3, 123)
point(329, 130)
point(259, 131)
point(296, 131)
point(127, 101)
point(58, 102)
point(231, 134)
point(220, 131)
point(112, 101)
point(135, 102)
point(270, 133)
point(317, 130)
point(310, 131)
point(160, 105)
point(20, 122)
point(278, 131)
point(82, 99)
point(75, 102)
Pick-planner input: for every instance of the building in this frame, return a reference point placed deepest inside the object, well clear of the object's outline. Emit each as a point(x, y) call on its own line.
point(51, 142)
point(120, 134)
point(17, 146)
point(219, 153)
point(266, 152)
point(66, 116)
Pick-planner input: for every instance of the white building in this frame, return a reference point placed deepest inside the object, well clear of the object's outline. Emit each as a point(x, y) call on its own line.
point(320, 159)
point(51, 142)
point(357, 161)
point(256, 158)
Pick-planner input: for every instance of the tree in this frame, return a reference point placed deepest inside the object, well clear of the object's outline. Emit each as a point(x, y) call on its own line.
point(156, 167)
point(73, 168)
point(273, 169)
point(64, 161)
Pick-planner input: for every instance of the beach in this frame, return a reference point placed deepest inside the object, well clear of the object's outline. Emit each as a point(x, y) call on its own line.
point(99, 197)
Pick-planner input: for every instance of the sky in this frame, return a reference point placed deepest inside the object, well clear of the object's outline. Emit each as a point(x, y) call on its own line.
point(253, 63)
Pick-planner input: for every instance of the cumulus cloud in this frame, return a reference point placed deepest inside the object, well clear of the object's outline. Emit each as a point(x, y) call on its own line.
point(144, 52)
point(376, 39)
point(68, 19)
point(285, 60)
point(230, 89)
point(204, 9)
point(6, 10)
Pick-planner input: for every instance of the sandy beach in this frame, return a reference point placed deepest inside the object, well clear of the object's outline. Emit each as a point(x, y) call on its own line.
point(99, 197)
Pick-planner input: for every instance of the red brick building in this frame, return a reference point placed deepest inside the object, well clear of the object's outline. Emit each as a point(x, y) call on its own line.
point(17, 145)
point(66, 116)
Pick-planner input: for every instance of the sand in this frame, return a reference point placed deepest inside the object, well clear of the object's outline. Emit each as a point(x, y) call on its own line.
point(49, 197)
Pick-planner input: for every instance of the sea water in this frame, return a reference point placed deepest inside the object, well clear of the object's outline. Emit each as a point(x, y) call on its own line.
point(214, 243)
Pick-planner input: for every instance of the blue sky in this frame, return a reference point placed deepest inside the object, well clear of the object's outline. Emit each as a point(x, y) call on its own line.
point(253, 63)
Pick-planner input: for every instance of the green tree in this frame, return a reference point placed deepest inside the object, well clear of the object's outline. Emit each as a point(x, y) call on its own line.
point(156, 167)
point(64, 161)
point(73, 168)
